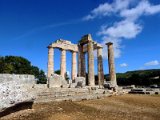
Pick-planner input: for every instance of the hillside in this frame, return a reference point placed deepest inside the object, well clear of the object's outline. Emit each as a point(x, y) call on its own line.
point(138, 77)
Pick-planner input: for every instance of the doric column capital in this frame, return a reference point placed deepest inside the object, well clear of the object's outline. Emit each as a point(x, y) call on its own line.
point(109, 43)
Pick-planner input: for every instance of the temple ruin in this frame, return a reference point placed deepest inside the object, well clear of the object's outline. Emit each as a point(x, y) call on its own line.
point(85, 45)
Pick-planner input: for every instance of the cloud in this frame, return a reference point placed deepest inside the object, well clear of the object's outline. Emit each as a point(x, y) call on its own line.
point(122, 29)
point(107, 9)
point(152, 63)
point(123, 65)
point(128, 27)
point(143, 8)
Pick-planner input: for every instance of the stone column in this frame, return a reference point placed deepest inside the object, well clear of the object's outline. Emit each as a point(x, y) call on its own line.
point(100, 67)
point(91, 79)
point(83, 65)
point(79, 60)
point(74, 64)
point(111, 65)
point(63, 63)
point(50, 61)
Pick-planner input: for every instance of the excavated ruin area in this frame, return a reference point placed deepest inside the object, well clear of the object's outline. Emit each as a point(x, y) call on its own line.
point(122, 107)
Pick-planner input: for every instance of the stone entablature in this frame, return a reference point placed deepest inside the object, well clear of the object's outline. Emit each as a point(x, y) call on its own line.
point(95, 46)
point(65, 45)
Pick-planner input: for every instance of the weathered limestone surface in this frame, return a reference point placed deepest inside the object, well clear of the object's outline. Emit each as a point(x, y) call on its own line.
point(83, 65)
point(84, 40)
point(63, 63)
point(65, 45)
point(100, 67)
point(57, 81)
point(111, 64)
point(95, 46)
point(15, 89)
point(74, 65)
point(20, 79)
point(91, 79)
point(80, 82)
point(50, 61)
point(79, 60)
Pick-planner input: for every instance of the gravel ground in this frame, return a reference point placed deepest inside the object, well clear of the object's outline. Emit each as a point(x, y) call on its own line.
point(124, 107)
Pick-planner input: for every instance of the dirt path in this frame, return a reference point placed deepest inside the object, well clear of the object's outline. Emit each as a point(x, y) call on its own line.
point(126, 107)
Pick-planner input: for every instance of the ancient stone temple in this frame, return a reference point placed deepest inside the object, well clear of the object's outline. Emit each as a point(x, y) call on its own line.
point(85, 46)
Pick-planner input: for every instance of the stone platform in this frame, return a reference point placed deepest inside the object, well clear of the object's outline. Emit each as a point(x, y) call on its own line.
point(71, 94)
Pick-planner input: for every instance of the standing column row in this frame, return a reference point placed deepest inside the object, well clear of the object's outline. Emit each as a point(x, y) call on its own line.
point(50, 61)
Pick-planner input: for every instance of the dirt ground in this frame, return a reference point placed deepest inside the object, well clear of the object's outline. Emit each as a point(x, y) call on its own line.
point(124, 107)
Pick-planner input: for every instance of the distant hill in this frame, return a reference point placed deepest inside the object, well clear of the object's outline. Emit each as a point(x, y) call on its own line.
point(138, 77)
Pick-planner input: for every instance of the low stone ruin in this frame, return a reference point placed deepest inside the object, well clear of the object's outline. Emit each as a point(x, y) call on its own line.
point(150, 91)
point(57, 81)
point(15, 89)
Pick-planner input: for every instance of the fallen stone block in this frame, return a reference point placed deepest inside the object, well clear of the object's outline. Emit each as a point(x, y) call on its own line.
point(57, 81)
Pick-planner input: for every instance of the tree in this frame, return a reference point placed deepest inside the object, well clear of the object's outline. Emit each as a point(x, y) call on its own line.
point(58, 72)
point(20, 65)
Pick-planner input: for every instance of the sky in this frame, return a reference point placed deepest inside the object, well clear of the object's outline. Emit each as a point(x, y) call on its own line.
point(27, 27)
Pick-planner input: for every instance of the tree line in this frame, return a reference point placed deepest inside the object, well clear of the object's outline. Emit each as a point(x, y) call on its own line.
point(20, 65)
point(139, 77)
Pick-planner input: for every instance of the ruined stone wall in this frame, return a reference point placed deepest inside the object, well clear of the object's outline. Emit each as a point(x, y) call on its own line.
point(15, 89)
point(19, 78)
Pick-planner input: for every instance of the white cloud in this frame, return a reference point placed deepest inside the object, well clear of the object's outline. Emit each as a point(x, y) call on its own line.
point(107, 9)
point(152, 63)
point(128, 27)
point(143, 8)
point(123, 65)
point(122, 29)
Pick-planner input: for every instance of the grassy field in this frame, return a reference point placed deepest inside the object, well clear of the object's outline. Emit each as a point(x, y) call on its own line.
point(125, 107)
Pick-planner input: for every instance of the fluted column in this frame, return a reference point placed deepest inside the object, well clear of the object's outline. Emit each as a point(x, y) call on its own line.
point(81, 62)
point(50, 61)
point(83, 65)
point(63, 63)
point(74, 64)
point(91, 79)
point(111, 65)
point(100, 67)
